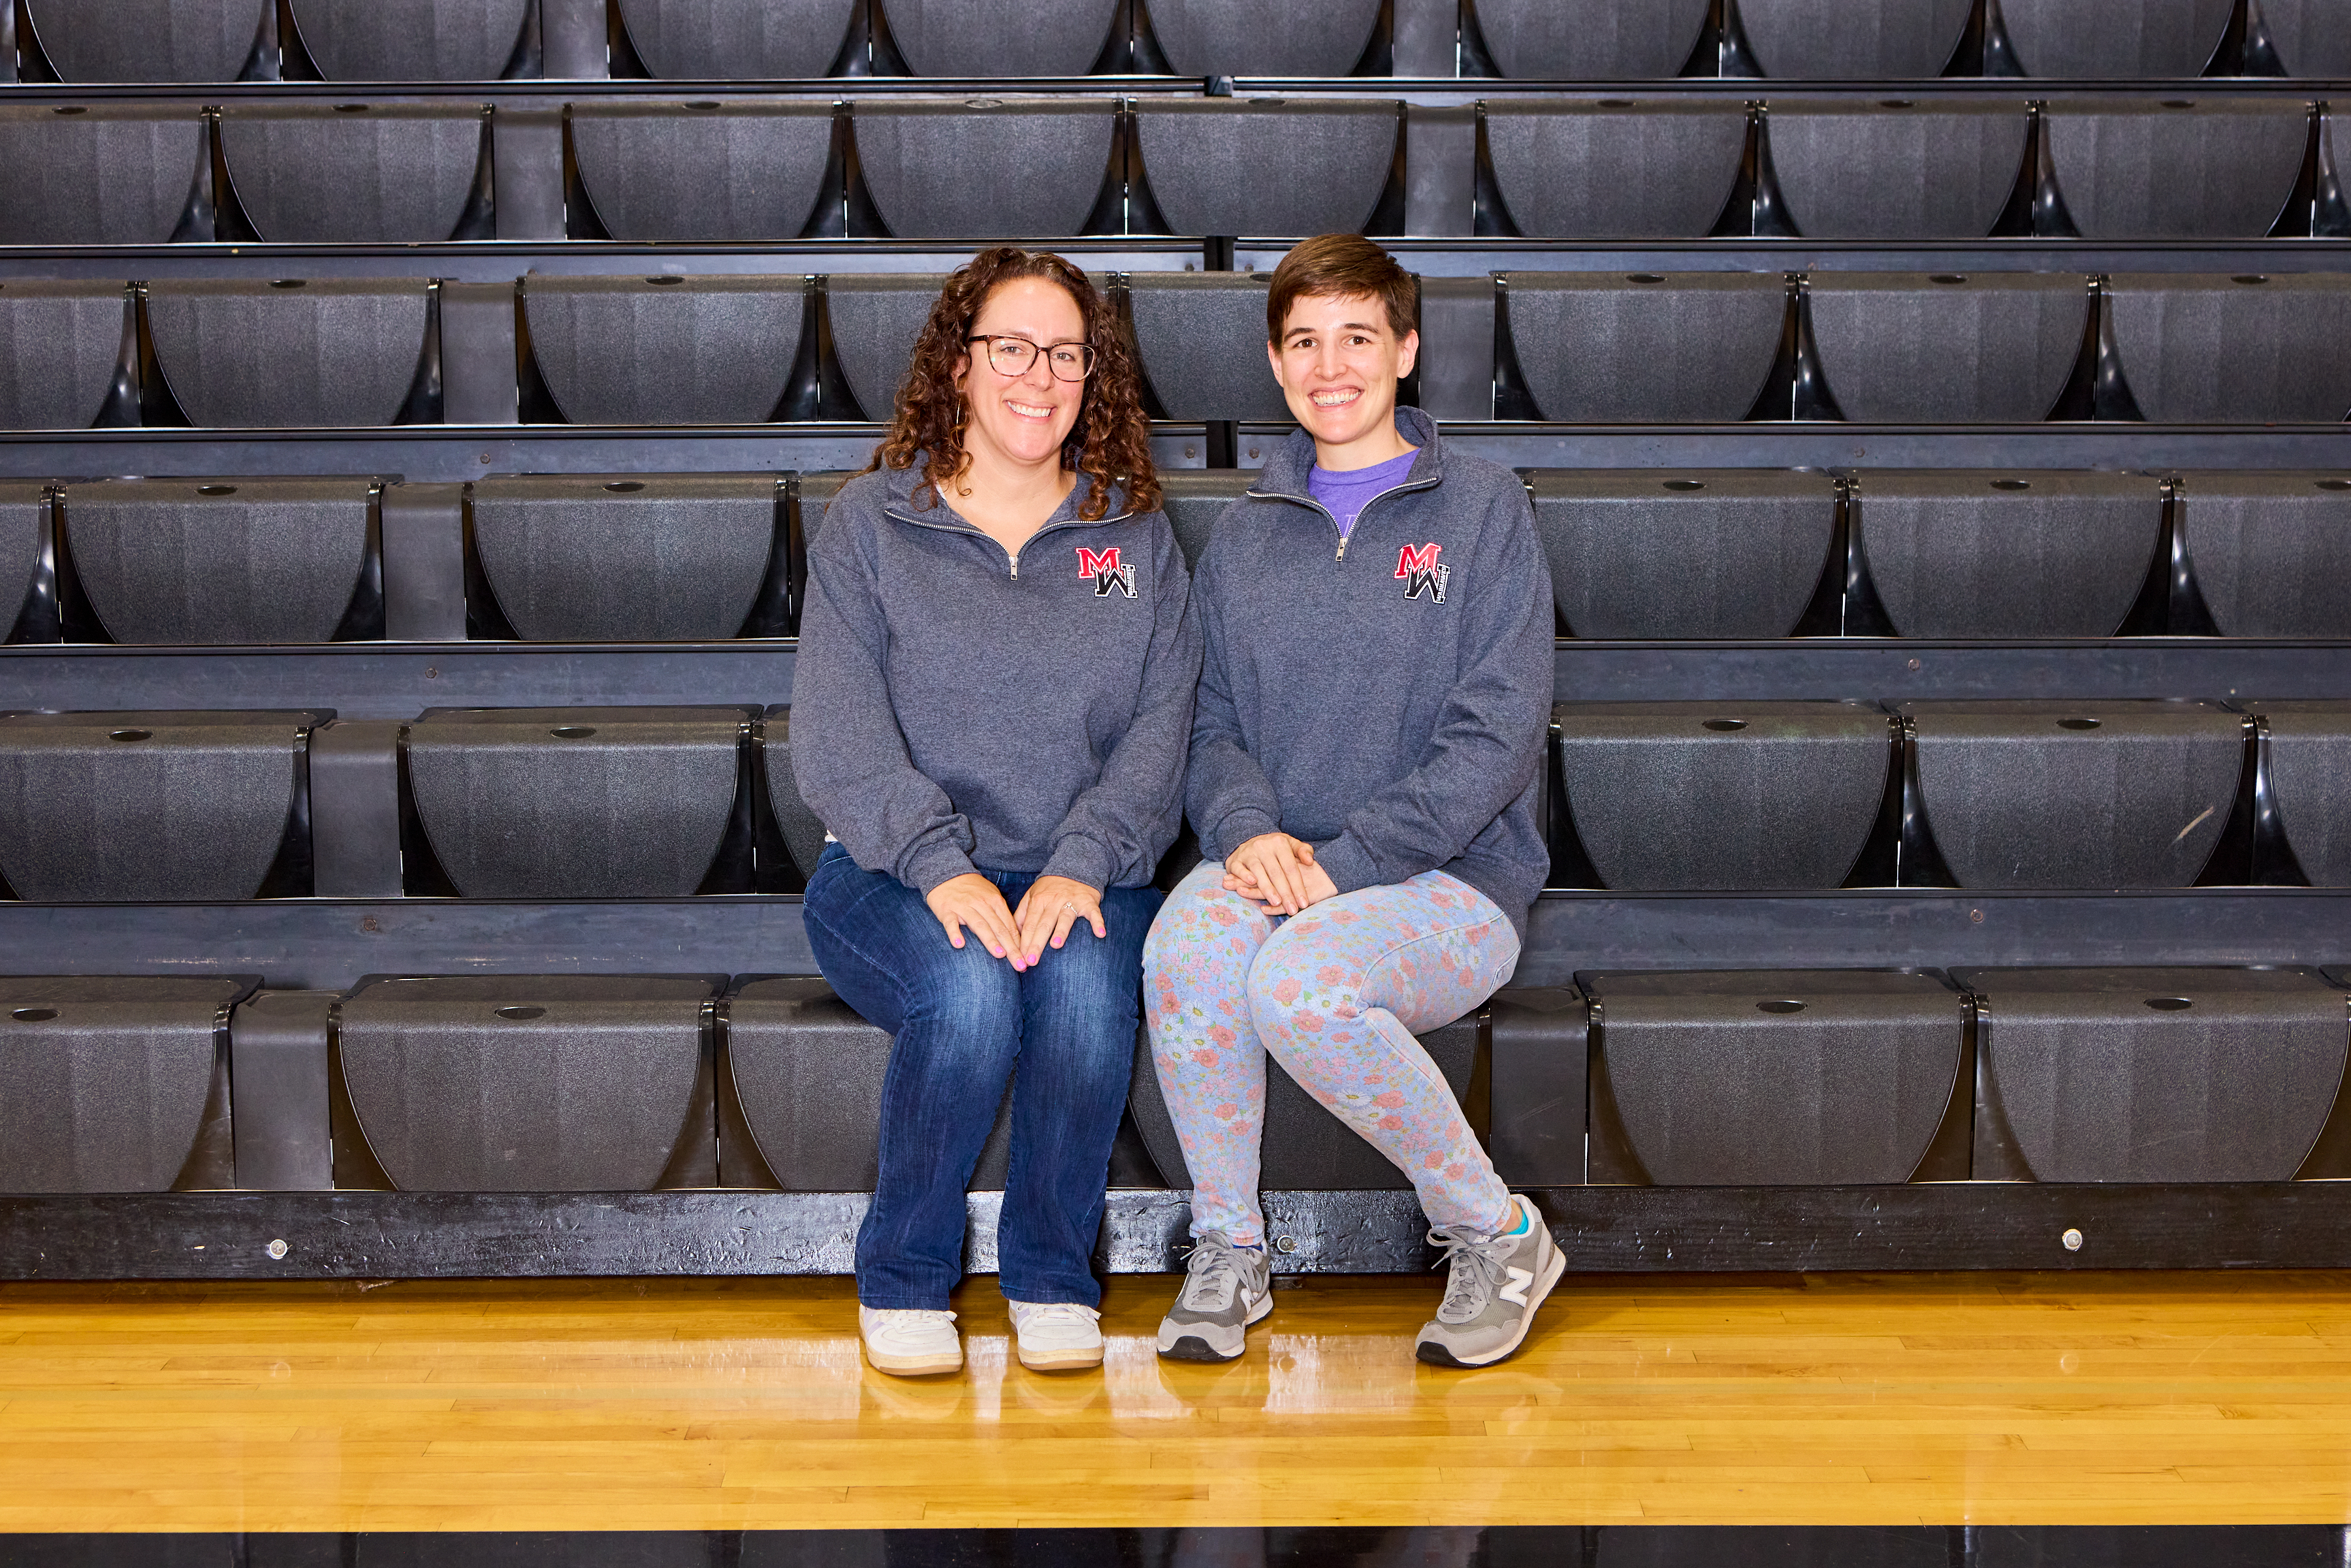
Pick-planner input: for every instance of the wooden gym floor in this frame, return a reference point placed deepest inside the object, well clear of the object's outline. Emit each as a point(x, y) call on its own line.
point(743, 1404)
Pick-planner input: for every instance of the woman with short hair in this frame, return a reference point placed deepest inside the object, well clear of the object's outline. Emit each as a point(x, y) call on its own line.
point(989, 715)
point(1364, 775)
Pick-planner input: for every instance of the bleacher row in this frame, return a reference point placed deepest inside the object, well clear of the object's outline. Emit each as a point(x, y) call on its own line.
point(618, 1084)
point(1947, 348)
point(1950, 555)
point(574, 803)
point(748, 170)
point(418, 40)
point(409, 488)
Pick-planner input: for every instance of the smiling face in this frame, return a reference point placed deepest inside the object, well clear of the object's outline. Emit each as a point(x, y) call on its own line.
point(1338, 362)
point(1024, 419)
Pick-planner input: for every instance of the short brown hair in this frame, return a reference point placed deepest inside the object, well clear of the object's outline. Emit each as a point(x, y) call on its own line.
point(1112, 442)
point(1342, 264)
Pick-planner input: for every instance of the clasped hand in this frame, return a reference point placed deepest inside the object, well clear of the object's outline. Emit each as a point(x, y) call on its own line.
point(1277, 871)
point(1049, 911)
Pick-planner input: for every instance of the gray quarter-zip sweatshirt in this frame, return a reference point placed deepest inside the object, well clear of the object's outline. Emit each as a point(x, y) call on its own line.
point(1386, 697)
point(954, 709)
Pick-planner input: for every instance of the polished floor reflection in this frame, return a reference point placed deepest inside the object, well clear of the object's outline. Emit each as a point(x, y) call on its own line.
point(742, 1405)
point(1519, 1546)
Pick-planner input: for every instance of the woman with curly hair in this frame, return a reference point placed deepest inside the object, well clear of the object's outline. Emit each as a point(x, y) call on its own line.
point(990, 711)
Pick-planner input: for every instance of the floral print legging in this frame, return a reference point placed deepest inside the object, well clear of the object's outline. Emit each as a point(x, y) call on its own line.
point(1335, 994)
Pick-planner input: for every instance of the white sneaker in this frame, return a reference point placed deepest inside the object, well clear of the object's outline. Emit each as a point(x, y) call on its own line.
point(1057, 1336)
point(910, 1342)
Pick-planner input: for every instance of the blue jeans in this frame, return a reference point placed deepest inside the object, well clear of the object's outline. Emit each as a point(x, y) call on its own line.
point(963, 1021)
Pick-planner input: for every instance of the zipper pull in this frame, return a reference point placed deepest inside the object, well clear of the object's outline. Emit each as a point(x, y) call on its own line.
point(1342, 549)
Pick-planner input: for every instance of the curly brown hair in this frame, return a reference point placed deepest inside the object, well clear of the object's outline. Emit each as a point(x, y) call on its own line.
point(1110, 444)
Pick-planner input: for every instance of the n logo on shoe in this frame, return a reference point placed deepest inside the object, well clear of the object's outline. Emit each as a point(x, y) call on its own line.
point(1515, 1290)
point(1420, 573)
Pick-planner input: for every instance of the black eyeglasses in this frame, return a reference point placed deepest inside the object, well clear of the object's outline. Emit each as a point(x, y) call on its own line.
point(1013, 356)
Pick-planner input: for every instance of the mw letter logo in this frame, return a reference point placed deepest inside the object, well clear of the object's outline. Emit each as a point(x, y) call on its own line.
point(1107, 575)
point(1421, 574)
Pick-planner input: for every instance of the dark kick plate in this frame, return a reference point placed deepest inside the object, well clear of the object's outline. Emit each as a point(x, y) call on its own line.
point(1519, 1546)
point(422, 1235)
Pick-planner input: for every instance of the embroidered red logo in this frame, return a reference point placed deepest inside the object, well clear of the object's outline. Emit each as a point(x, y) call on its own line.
point(1420, 573)
point(1108, 576)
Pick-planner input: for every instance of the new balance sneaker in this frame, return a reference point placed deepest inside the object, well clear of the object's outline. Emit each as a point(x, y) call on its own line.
point(1057, 1336)
point(1496, 1282)
point(910, 1343)
point(1226, 1288)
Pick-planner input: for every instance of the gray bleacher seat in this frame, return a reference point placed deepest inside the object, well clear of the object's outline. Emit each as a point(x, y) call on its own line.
point(802, 833)
point(116, 1083)
point(719, 171)
point(807, 1072)
point(877, 320)
point(150, 40)
point(2239, 348)
point(2270, 552)
point(1947, 348)
point(986, 39)
point(2308, 757)
point(1269, 165)
point(2309, 37)
point(813, 494)
point(2055, 794)
point(192, 805)
point(105, 173)
point(1202, 339)
point(1645, 346)
point(996, 167)
point(412, 41)
point(1262, 38)
point(1854, 40)
point(2116, 40)
point(674, 557)
point(620, 802)
point(1650, 555)
point(1722, 796)
point(1960, 554)
point(1195, 500)
point(1614, 168)
point(1771, 1078)
point(382, 173)
point(2330, 213)
point(60, 345)
point(2152, 1075)
point(1587, 40)
point(2176, 167)
point(527, 1083)
point(290, 351)
point(24, 520)
point(234, 560)
point(665, 349)
point(738, 40)
point(1900, 168)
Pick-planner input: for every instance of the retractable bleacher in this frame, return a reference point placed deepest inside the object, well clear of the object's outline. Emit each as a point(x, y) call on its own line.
point(414, 414)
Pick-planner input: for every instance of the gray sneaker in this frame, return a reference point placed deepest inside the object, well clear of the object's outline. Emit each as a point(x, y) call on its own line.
point(1490, 1298)
point(1226, 1289)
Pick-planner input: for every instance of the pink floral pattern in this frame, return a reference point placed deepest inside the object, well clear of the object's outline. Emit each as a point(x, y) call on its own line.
point(1336, 994)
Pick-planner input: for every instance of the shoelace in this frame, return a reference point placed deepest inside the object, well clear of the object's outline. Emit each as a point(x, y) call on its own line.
point(911, 1320)
point(1214, 1270)
point(1053, 1314)
point(1476, 1265)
